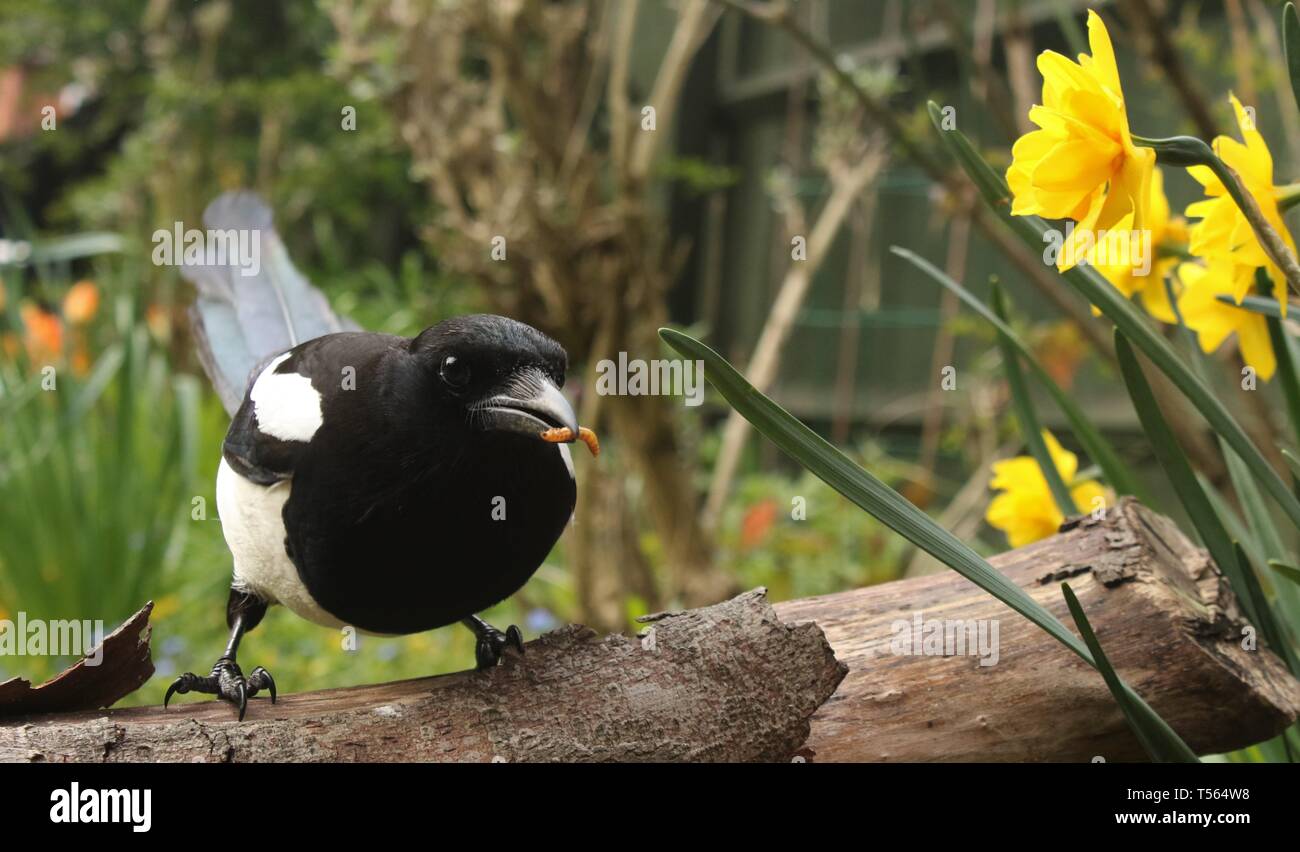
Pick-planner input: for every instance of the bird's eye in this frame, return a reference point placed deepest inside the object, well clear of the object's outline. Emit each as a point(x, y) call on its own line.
point(454, 372)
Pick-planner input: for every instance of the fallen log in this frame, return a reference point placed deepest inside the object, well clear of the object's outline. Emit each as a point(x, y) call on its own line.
point(743, 680)
point(728, 682)
point(1165, 616)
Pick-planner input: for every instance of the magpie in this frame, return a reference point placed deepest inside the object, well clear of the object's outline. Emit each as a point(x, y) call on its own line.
point(390, 484)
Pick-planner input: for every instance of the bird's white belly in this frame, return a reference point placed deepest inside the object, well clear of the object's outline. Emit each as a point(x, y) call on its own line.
point(252, 521)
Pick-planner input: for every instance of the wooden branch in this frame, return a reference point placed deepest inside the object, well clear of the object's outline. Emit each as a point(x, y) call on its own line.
point(694, 21)
point(741, 680)
point(616, 89)
point(725, 683)
point(1164, 614)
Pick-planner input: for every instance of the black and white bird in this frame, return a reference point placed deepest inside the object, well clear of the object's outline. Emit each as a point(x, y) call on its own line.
point(390, 484)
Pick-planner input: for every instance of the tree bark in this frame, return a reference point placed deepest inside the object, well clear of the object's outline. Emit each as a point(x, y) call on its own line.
point(728, 682)
point(741, 680)
point(1159, 607)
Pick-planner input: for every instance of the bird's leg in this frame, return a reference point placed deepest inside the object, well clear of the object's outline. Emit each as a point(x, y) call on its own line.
point(492, 642)
point(243, 612)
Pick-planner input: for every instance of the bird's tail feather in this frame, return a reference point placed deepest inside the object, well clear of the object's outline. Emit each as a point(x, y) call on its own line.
point(244, 315)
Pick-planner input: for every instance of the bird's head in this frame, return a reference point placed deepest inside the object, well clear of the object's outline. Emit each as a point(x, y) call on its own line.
point(503, 375)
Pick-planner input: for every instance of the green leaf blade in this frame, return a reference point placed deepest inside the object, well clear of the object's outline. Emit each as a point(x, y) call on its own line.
point(1031, 429)
point(1290, 572)
point(1284, 349)
point(1157, 738)
point(1291, 45)
point(1178, 469)
point(1267, 624)
point(1255, 304)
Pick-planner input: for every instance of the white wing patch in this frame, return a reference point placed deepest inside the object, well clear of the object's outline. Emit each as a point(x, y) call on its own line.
point(286, 405)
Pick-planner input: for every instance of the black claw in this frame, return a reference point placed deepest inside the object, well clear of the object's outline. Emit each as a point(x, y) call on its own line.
point(492, 642)
point(515, 637)
point(226, 682)
point(181, 685)
point(190, 682)
point(485, 654)
point(260, 679)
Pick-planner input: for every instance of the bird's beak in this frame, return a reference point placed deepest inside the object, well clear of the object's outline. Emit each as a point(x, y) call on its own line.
point(532, 405)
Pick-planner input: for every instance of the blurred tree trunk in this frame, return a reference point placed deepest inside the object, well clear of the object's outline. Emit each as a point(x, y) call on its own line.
point(544, 199)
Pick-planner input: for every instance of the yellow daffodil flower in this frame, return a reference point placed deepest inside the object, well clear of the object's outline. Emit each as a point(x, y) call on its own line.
point(1081, 164)
point(1131, 259)
point(1025, 510)
point(1213, 321)
point(1223, 234)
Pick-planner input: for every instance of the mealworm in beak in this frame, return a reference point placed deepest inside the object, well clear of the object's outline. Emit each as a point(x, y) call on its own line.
point(562, 435)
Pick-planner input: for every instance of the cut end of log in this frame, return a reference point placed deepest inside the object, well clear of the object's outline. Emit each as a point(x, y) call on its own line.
point(1165, 615)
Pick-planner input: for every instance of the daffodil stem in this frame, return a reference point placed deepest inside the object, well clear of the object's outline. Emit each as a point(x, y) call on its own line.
point(1288, 196)
point(1268, 237)
point(1190, 151)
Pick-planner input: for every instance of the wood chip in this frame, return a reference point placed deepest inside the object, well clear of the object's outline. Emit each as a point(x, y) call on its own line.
point(124, 665)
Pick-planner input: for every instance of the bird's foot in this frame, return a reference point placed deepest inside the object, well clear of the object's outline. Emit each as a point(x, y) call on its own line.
point(226, 682)
point(492, 644)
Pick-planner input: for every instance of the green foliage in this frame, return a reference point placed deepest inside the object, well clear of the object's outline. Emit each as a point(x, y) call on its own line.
point(1291, 42)
point(1176, 466)
point(697, 176)
point(237, 95)
point(1030, 429)
point(97, 465)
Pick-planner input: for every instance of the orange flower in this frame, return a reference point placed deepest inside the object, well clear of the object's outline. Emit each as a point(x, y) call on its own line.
point(159, 322)
point(756, 524)
point(81, 302)
point(80, 359)
point(44, 332)
point(1060, 350)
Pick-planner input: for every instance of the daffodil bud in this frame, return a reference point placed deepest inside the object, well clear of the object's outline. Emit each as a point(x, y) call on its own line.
point(1179, 151)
